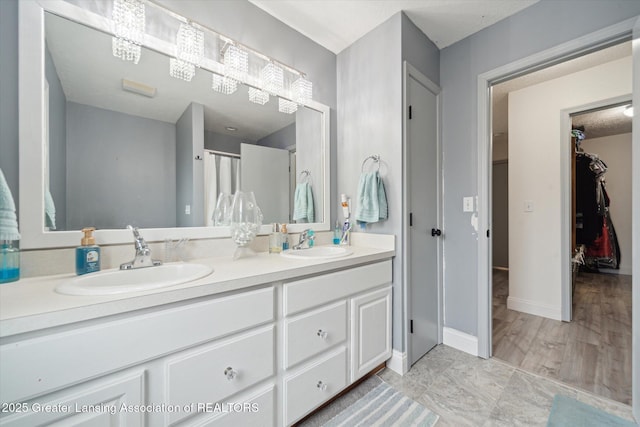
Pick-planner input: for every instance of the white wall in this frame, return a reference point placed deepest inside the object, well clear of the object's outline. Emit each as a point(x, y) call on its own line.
point(534, 174)
point(615, 151)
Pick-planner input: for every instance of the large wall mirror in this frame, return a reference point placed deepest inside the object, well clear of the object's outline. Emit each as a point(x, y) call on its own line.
point(107, 143)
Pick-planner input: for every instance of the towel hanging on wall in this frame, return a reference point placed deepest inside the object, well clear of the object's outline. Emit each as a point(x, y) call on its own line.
point(8, 221)
point(303, 205)
point(372, 199)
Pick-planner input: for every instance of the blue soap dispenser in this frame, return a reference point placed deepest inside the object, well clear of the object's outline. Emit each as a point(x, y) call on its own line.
point(88, 254)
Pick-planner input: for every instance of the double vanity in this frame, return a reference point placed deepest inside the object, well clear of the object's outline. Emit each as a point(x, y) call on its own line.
point(257, 341)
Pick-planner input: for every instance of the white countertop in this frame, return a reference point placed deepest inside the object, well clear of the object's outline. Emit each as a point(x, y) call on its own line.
point(32, 304)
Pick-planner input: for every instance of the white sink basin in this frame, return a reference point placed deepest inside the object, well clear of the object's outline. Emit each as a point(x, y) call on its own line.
point(318, 252)
point(111, 282)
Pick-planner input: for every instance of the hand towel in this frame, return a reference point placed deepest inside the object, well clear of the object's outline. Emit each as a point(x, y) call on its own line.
point(49, 211)
point(372, 199)
point(303, 210)
point(8, 221)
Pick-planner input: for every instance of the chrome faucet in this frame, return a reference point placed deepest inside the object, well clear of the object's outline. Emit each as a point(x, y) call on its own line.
point(306, 237)
point(143, 253)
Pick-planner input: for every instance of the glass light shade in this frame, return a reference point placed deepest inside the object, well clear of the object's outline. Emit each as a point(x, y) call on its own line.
point(302, 90)
point(181, 69)
point(125, 50)
point(236, 62)
point(224, 85)
point(258, 96)
point(286, 106)
point(128, 27)
point(190, 44)
point(246, 219)
point(272, 78)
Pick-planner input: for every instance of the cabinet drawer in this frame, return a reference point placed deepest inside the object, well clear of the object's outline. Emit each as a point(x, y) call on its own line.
point(314, 385)
point(90, 351)
point(97, 402)
point(312, 333)
point(315, 291)
point(256, 410)
point(216, 371)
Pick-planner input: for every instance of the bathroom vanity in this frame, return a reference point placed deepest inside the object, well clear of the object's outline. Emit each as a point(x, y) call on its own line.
point(261, 341)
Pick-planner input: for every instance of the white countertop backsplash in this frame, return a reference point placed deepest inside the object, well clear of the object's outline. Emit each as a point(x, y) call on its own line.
point(31, 304)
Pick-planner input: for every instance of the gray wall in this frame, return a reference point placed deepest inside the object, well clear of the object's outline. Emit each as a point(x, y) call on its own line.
point(221, 142)
point(189, 171)
point(282, 138)
point(120, 170)
point(370, 122)
point(500, 214)
point(57, 142)
point(9, 94)
point(539, 27)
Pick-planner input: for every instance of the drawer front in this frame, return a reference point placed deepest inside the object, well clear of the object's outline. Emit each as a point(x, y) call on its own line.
point(96, 402)
point(216, 371)
point(163, 332)
point(256, 410)
point(309, 388)
point(315, 291)
point(312, 333)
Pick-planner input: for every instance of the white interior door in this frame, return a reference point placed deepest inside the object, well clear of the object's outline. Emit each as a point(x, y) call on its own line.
point(424, 206)
point(635, 226)
point(265, 171)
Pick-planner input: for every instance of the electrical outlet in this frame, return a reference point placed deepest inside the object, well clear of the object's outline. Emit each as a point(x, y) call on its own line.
point(467, 204)
point(187, 209)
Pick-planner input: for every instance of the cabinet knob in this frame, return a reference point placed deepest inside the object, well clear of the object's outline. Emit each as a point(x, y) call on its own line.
point(323, 334)
point(321, 386)
point(230, 373)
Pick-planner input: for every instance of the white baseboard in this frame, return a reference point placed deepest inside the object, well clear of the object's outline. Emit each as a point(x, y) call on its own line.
point(460, 340)
point(398, 362)
point(534, 307)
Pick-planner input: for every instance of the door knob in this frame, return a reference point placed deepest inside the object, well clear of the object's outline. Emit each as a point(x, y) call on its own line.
point(436, 232)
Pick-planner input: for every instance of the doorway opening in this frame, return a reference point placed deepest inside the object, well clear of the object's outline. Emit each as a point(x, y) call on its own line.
point(530, 329)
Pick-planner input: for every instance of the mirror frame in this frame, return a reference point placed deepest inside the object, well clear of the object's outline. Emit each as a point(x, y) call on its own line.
point(32, 135)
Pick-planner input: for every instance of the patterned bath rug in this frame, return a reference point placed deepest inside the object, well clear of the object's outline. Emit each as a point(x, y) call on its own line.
point(384, 406)
point(568, 412)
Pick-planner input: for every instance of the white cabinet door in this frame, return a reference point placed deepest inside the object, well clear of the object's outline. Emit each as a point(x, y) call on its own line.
point(115, 400)
point(256, 410)
point(370, 331)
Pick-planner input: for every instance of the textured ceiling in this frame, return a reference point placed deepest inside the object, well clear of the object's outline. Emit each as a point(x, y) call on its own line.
point(607, 122)
point(336, 24)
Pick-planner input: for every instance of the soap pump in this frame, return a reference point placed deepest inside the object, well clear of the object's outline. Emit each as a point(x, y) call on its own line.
point(88, 253)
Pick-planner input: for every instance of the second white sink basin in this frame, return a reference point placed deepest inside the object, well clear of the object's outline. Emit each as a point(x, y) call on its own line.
point(318, 252)
point(111, 282)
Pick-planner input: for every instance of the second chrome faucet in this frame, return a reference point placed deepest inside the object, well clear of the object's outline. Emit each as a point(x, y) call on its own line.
point(143, 253)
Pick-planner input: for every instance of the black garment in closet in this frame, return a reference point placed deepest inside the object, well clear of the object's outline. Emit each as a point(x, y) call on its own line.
point(588, 218)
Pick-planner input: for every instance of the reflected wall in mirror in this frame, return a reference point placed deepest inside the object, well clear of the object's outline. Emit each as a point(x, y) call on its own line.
point(129, 144)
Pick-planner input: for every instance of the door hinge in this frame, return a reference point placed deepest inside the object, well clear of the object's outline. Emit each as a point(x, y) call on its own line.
point(411, 325)
point(488, 233)
point(410, 113)
point(410, 219)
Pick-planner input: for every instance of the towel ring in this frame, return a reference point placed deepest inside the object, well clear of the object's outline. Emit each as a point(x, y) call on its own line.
point(375, 158)
point(305, 174)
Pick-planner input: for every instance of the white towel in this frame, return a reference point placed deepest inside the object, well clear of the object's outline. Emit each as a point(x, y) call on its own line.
point(8, 221)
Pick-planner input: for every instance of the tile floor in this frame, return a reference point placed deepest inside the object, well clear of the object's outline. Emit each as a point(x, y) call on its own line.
point(465, 390)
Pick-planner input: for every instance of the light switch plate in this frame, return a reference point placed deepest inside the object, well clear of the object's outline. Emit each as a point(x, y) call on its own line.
point(528, 205)
point(467, 204)
point(187, 209)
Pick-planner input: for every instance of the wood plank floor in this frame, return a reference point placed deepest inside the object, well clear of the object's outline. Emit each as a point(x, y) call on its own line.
point(593, 352)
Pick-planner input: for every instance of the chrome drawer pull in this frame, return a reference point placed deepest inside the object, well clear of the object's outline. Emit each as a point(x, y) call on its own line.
point(323, 334)
point(230, 373)
point(322, 386)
